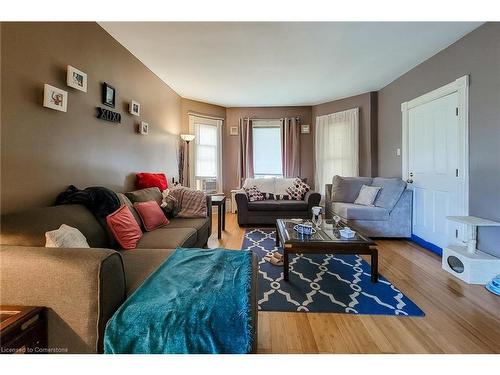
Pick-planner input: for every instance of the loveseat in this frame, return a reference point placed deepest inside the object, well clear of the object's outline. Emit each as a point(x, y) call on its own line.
point(390, 215)
point(268, 210)
point(82, 288)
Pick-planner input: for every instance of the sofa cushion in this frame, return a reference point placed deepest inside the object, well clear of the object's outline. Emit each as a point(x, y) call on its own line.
point(346, 189)
point(140, 264)
point(144, 195)
point(351, 211)
point(391, 191)
point(27, 228)
point(265, 185)
point(367, 195)
point(277, 205)
point(200, 224)
point(168, 238)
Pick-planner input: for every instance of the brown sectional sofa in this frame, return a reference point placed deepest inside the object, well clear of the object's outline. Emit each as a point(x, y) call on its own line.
point(82, 288)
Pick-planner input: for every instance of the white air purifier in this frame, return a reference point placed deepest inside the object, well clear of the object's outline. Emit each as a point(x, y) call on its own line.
point(467, 262)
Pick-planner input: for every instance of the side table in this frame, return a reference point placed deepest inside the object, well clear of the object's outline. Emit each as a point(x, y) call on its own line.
point(220, 202)
point(23, 329)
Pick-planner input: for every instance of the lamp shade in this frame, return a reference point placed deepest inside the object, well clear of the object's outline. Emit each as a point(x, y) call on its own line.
point(187, 137)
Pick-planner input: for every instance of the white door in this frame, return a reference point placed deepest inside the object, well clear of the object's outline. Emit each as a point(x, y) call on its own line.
point(433, 168)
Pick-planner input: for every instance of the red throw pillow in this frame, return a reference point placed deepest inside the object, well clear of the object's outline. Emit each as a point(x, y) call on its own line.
point(147, 180)
point(124, 228)
point(151, 214)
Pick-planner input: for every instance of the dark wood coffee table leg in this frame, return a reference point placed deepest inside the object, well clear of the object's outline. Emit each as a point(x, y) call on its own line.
point(277, 238)
point(224, 214)
point(219, 221)
point(285, 265)
point(374, 265)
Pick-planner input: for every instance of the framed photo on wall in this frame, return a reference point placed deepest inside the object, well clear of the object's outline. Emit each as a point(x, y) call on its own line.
point(76, 78)
point(135, 108)
point(144, 128)
point(233, 130)
point(55, 98)
point(305, 129)
point(108, 95)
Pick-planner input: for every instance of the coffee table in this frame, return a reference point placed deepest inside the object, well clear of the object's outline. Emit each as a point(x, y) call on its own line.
point(324, 241)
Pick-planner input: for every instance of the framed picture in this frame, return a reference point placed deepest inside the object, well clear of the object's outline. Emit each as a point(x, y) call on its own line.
point(76, 78)
point(108, 95)
point(144, 128)
point(55, 98)
point(233, 130)
point(305, 129)
point(135, 108)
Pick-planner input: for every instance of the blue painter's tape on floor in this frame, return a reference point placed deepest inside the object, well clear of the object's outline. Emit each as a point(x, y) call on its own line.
point(427, 245)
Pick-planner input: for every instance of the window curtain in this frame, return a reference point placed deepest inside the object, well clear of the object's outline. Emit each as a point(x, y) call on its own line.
point(290, 147)
point(245, 157)
point(336, 147)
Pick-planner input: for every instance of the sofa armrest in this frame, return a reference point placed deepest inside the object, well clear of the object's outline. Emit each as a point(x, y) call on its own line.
point(241, 199)
point(81, 288)
point(312, 198)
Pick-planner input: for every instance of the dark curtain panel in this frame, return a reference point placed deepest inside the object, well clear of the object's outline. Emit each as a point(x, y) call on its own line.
point(245, 169)
point(290, 147)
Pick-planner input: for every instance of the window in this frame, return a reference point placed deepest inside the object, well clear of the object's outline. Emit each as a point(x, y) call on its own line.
point(205, 161)
point(336, 147)
point(266, 137)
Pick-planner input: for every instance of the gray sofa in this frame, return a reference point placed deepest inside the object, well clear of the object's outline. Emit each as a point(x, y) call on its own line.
point(391, 215)
point(267, 211)
point(82, 288)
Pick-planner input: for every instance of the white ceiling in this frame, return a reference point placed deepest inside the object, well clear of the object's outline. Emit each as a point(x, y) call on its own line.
point(282, 64)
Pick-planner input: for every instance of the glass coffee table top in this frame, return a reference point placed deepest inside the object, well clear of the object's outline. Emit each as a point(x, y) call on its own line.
point(323, 233)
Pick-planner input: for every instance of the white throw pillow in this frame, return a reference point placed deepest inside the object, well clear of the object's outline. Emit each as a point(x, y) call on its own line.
point(282, 184)
point(265, 185)
point(367, 195)
point(65, 236)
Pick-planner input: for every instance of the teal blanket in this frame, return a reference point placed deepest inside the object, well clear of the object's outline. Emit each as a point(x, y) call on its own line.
point(197, 301)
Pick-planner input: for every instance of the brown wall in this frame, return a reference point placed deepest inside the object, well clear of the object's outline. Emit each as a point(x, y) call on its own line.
point(231, 146)
point(478, 55)
point(188, 105)
point(44, 150)
point(367, 104)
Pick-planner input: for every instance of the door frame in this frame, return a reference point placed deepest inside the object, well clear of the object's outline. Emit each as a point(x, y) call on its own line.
point(461, 87)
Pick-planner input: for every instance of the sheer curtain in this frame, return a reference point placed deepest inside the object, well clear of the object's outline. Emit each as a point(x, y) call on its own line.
point(245, 156)
point(336, 147)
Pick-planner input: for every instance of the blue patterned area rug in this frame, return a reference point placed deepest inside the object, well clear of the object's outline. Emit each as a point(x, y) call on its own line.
point(323, 283)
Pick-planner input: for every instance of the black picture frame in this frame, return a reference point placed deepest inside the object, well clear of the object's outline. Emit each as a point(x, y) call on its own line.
point(108, 100)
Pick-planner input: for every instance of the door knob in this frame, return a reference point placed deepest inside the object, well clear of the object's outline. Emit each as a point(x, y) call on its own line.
point(410, 181)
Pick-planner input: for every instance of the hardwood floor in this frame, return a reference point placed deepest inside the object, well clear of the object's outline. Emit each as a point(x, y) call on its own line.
point(460, 318)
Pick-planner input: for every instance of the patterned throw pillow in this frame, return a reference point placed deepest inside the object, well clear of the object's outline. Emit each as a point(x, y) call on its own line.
point(298, 190)
point(254, 194)
point(276, 197)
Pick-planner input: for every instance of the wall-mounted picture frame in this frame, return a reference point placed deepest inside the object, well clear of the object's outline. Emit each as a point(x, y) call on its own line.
point(305, 129)
point(108, 95)
point(144, 128)
point(233, 130)
point(55, 98)
point(76, 78)
point(135, 108)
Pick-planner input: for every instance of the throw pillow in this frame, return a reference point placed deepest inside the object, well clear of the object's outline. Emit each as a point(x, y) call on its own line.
point(65, 236)
point(276, 197)
point(169, 204)
point(147, 180)
point(254, 194)
point(298, 190)
point(367, 195)
point(152, 216)
point(124, 228)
